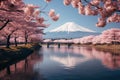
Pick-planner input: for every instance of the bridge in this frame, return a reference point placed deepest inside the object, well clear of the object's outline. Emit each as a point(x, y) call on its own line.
point(68, 44)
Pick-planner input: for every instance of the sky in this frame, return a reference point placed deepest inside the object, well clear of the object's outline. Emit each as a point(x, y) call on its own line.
point(69, 14)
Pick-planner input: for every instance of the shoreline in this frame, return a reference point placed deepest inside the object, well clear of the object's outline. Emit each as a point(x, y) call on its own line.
point(115, 49)
point(9, 56)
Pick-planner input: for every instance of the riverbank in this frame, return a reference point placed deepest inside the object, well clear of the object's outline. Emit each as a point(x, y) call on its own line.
point(12, 55)
point(111, 47)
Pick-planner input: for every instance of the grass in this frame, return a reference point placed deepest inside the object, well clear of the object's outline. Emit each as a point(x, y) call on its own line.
point(14, 48)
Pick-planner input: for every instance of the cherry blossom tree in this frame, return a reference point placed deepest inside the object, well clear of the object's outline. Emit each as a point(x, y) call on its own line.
point(2, 40)
point(3, 23)
point(110, 36)
point(9, 9)
point(96, 40)
point(36, 38)
point(76, 41)
point(8, 31)
point(27, 32)
point(27, 16)
point(15, 36)
point(106, 10)
point(87, 39)
point(47, 40)
point(18, 11)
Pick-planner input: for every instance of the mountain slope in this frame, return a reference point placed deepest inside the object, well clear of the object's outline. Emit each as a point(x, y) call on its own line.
point(69, 30)
point(71, 27)
point(65, 35)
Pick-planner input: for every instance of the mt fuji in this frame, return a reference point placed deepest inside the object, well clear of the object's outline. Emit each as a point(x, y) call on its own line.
point(69, 30)
point(71, 27)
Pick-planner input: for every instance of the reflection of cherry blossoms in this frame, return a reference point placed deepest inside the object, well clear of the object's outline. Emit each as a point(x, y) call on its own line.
point(78, 55)
point(23, 68)
point(108, 59)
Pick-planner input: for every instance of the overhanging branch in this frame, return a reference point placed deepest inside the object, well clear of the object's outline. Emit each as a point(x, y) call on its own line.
point(92, 4)
point(5, 24)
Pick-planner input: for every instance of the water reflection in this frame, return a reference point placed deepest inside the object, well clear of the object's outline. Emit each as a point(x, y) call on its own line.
point(23, 70)
point(69, 61)
point(74, 63)
point(78, 63)
point(108, 59)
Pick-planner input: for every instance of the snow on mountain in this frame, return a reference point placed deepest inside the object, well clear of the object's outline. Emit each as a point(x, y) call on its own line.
point(71, 27)
point(69, 30)
point(65, 35)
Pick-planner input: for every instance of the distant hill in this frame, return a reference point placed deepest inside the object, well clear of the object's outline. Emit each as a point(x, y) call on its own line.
point(69, 30)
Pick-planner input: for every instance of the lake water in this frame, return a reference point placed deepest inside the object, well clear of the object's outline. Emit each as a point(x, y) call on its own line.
point(78, 63)
point(74, 63)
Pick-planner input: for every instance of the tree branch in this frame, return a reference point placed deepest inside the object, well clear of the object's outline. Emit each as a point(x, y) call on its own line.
point(44, 7)
point(11, 10)
point(92, 4)
point(14, 31)
point(5, 24)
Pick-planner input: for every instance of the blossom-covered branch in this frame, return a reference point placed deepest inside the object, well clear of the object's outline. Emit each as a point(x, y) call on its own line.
point(107, 10)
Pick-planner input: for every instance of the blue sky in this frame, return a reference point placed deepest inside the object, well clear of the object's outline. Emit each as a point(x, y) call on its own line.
point(69, 14)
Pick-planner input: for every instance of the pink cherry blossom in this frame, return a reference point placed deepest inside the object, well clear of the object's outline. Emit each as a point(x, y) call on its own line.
point(56, 17)
point(108, 10)
point(51, 13)
point(95, 2)
point(67, 2)
point(40, 20)
point(20, 20)
point(47, 1)
point(101, 22)
point(75, 3)
point(81, 8)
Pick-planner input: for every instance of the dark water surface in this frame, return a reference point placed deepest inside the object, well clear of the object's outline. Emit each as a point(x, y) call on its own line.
point(74, 63)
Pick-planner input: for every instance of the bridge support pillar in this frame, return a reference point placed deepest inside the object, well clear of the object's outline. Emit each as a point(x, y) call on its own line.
point(48, 45)
point(58, 45)
point(69, 44)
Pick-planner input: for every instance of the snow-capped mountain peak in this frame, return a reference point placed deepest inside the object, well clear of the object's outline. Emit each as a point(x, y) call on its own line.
point(71, 27)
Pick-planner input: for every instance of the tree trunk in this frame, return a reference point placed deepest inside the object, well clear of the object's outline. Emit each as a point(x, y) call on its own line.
point(8, 41)
point(15, 39)
point(8, 70)
point(26, 38)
